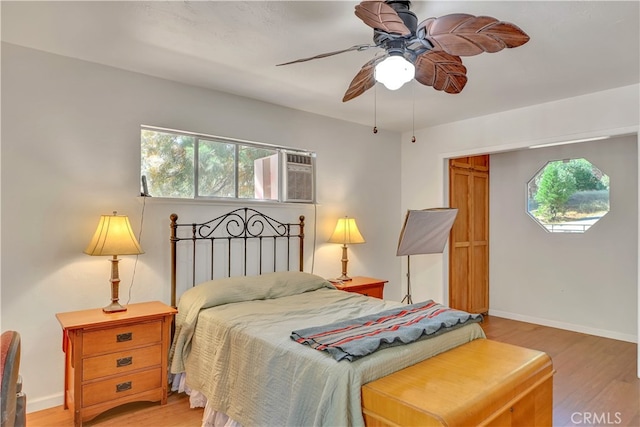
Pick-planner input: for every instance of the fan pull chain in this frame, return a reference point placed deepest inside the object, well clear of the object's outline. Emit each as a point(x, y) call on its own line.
point(375, 109)
point(413, 120)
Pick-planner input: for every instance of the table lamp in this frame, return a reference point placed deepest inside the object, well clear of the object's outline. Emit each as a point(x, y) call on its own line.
point(114, 237)
point(346, 232)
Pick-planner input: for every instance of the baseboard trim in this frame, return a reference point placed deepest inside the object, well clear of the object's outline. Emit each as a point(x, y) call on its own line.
point(567, 326)
point(39, 404)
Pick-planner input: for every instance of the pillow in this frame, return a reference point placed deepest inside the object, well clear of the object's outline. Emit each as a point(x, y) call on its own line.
point(247, 288)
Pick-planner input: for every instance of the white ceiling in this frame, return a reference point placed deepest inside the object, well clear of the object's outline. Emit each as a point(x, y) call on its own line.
point(576, 47)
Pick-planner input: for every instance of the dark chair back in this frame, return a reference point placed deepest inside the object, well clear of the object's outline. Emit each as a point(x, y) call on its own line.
point(9, 371)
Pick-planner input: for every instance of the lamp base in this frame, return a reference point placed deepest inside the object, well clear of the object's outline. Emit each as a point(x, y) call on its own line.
point(114, 307)
point(345, 260)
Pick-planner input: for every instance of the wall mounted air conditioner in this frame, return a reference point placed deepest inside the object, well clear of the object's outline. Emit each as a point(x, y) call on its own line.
point(298, 184)
point(297, 177)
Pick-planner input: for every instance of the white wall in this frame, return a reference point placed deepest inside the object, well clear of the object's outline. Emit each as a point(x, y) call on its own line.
point(71, 152)
point(585, 282)
point(424, 183)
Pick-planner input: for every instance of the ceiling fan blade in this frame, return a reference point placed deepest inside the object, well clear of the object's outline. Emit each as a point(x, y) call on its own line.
point(461, 34)
point(358, 47)
point(380, 16)
point(363, 81)
point(441, 70)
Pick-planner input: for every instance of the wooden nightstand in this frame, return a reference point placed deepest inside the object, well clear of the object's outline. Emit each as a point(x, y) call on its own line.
point(363, 285)
point(115, 358)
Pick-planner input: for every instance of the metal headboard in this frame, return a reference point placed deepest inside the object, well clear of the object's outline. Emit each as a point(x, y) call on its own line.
point(243, 225)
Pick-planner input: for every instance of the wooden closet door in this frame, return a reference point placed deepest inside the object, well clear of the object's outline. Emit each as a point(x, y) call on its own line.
point(469, 239)
point(460, 239)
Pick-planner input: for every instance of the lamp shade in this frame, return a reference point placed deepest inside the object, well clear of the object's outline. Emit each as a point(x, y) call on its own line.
point(114, 236)
point(346, 232)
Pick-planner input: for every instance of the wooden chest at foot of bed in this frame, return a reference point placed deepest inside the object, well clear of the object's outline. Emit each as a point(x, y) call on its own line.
point(481, 383)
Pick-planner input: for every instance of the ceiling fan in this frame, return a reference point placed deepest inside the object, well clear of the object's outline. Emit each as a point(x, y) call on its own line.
point(429, 51)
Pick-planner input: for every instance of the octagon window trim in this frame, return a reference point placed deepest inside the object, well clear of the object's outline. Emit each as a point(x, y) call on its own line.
point(586, 195)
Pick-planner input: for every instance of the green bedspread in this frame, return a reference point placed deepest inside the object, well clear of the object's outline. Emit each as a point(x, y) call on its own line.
point(240, 355)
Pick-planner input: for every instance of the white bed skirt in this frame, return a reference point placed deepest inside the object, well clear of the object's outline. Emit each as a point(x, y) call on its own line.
point(211, 417)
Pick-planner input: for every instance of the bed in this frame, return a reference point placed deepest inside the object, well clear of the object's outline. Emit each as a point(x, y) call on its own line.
point(232, 349)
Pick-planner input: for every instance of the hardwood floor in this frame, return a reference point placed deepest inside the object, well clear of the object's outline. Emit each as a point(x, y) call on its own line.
point(176, 413)
point(595, 383)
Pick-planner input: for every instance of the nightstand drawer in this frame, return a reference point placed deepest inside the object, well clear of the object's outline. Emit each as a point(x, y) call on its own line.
point(121, 362)
point(121, 338)
point(372, 291)
point(122, 386)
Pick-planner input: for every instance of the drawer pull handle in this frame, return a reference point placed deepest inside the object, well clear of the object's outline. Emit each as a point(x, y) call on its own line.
point(123, 386)
point(125, 361)
point(128, 336)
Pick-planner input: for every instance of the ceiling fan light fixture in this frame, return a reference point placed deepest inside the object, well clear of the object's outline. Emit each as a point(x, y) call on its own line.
point(394, 71)
point(435, 46)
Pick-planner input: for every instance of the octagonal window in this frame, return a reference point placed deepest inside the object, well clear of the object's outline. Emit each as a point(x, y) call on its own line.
point(568, 196)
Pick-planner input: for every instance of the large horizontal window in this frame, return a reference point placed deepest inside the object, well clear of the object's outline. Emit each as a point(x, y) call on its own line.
point(176, 164)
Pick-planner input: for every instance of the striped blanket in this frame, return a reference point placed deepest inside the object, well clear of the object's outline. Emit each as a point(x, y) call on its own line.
point(355, 338)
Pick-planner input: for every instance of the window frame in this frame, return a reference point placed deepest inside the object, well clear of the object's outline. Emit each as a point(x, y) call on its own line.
point(237, 144)
point(565, 227)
